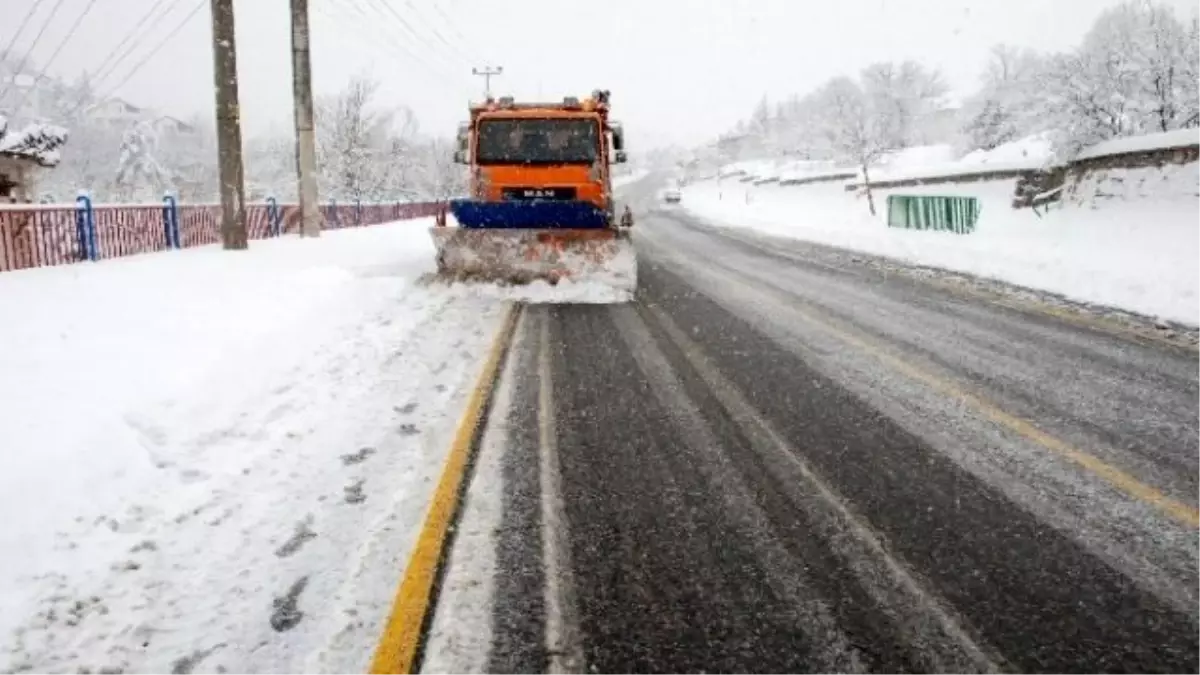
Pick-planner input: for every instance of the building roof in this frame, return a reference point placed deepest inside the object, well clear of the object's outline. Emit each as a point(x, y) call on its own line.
point(35, 142)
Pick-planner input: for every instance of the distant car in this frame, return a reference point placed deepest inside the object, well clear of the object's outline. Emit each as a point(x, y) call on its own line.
point(672, 196)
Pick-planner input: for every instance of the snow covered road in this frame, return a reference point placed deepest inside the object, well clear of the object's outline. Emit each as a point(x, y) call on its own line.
point(219, 460)
point(781, 458)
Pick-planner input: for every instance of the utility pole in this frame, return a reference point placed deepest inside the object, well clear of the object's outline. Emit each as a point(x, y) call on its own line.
point(486, 73)
point(306, 147)
point(229, 128)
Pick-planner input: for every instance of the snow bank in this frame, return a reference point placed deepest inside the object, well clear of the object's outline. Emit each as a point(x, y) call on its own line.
point(754, 168)
point(629, 178)
point(919, 162)
point(1119, 146)
point(917, 157)
point(804, 169)
point(220, 459)
point(1033, 151)
point(935, 161)
point(1137, 254)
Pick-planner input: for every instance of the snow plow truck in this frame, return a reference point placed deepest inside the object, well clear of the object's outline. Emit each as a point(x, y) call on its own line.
point(540, 202)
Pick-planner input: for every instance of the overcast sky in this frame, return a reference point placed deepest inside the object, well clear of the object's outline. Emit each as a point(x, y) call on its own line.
point(679, 70)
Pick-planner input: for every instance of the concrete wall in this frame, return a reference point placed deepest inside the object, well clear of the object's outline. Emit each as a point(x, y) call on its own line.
point(1162, 171)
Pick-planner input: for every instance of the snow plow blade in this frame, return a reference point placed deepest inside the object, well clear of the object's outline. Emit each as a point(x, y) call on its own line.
point(521, 256)
point(528, 215)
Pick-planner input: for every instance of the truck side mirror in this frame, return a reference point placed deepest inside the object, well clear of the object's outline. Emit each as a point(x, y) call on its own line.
point(618, 137)
point(619, 157)
point(460, 157)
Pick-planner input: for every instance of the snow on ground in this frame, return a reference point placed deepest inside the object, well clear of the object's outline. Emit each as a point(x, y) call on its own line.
point(460, 635)
point(931, 161)
point(916, 157)
point(798, 169)
point(632, 177)
point(1137, 252)
point(1034, 150)
point(219, 460)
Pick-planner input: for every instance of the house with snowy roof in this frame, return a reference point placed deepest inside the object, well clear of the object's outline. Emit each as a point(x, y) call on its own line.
point(23, 153)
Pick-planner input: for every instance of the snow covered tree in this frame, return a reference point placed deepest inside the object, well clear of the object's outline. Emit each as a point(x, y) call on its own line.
point(854, 129)
point(899, 95)
point(1132, 75)
point(1190, 76)
point(443, 179)
point(139, 173)
point(1008, 103)
point(271, 167)
point(363, 151)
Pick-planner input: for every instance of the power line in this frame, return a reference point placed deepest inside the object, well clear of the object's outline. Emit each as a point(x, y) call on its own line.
point(149, 55)
point(433, 29)
point(389, 15)
point(108, 66)
point(162, 43)
point(100, 73)
point(457, 33)
point(20, 29)
point(37, 38)
point(416, 35)
point(67, 38)
point(400, 47)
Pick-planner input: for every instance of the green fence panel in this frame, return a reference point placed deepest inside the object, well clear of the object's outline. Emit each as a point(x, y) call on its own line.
point(946, 214)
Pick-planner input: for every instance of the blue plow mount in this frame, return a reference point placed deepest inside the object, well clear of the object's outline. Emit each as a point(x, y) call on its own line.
point(573, 215)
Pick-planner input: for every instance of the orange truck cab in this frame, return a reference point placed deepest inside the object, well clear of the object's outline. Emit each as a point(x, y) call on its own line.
point(540, 165)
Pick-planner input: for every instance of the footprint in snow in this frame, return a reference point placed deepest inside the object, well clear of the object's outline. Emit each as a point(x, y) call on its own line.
point(301, 536)
point(354, 493)
point(287, 614)
point(357, 457)
point(186, 664)
point(145, 545)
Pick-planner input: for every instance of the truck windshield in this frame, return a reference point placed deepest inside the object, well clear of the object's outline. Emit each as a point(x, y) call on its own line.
point(537, 141)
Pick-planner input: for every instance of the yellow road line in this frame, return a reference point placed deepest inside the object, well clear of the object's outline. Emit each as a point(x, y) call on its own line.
point(397, 648)
point(1177, 510)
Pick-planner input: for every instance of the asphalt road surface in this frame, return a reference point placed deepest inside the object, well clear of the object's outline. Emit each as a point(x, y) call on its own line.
point(780, 459)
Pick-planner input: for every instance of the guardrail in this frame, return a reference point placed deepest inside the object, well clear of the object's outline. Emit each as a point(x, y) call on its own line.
point(41, 235)
point(949, 214)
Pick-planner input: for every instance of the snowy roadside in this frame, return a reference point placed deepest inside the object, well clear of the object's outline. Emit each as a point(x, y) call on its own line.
point(1137, 255)
point(220, 460)
point(629, 178)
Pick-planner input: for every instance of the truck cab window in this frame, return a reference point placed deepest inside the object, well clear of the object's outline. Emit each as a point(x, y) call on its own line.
point(538, 141)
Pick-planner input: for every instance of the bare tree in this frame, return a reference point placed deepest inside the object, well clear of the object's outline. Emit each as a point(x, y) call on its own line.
point(900, 94)
point(853, 127)
point(1190, 76)
point(1010, 103)
point(364, 151)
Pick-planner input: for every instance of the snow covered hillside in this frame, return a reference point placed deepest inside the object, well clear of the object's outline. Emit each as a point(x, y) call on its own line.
point(1138, 252)
point(220, 459)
